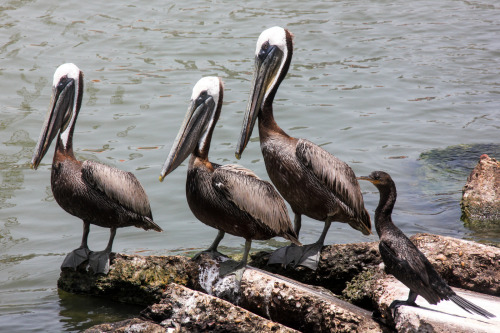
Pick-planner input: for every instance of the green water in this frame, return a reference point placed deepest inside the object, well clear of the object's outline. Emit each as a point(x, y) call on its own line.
point(376, 83)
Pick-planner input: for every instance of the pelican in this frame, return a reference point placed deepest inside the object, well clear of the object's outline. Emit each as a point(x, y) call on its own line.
point(96, 193)
point(229, 198)
point(314, 182)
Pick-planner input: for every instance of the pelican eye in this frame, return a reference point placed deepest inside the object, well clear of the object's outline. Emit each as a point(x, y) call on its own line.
point(264, 49)
point(201, 98)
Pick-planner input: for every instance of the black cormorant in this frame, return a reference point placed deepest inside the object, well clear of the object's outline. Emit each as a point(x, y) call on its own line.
point(404, 260)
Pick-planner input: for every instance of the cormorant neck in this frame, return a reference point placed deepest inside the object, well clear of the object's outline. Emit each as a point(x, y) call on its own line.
point(383, 212)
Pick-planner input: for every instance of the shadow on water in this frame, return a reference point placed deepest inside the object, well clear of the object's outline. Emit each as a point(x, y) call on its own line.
point(78, 312)
point(443, 172)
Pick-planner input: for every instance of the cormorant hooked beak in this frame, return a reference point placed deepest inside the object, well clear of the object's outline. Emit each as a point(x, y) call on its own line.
point(192, 132)
point(57, 118)
point(267, 64)
point(375, 177)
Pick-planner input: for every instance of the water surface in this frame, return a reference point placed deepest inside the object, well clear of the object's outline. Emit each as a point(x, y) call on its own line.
point(376, 83)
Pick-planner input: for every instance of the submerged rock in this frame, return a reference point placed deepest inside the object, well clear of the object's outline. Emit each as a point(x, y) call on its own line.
point(481, 195)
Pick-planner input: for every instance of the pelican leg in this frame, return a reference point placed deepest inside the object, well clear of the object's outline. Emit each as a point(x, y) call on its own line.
point(99, 261)
point(311, 253)
point(297, 223)
point(81, 254)
point(212, 250)
point(236, 268)
point(288, 254)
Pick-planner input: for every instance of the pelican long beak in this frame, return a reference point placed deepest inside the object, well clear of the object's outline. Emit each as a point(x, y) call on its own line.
point(192, 130)
point(267, 66)
point(57, 117)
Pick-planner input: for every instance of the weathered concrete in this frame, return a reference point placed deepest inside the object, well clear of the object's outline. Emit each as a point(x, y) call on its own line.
point(481, 195)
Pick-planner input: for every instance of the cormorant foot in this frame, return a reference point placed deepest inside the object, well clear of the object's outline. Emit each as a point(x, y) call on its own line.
point(99, 261)
point(75, 258)
point(397, 303)
point(286, 255)
point(212, 253)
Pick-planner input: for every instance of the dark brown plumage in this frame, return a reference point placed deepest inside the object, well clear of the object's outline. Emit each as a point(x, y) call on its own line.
point(314, 182)
point(404, 260)
point(96, 193)
point(229, 198)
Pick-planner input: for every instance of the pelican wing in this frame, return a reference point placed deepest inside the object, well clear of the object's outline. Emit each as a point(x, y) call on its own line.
point(335, 174)
point(119, 186)
point(252, 195)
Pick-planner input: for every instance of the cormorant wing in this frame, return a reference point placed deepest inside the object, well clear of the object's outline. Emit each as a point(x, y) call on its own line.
point(404, 257)
point(335, 174)
point(119, 186)
point(252, 195)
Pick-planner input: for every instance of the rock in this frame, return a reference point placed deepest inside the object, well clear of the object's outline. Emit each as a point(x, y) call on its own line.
point(443, 317)
point(481, 195)
point(131, 279)
point(186, 310)
point(130, 325)
point(461, 263)
point(352, 270)
point(338, 264)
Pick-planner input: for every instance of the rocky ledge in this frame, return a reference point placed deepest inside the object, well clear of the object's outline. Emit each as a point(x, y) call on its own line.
point(481, 195)
point(348, 293)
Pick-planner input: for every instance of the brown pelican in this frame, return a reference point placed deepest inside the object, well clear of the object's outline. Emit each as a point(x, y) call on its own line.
point(94, 192)
point(313, 181)
point(404, 260)
point(229, 197)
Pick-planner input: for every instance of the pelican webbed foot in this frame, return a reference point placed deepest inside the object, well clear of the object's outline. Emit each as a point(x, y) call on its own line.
point(99, 261)
point(214, 254)
point(287, 255)
point(76, 258)
point(293, 255)
point(231, 267)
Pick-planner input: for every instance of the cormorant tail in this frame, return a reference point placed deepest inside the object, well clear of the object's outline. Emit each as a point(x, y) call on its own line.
point(470, 307)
